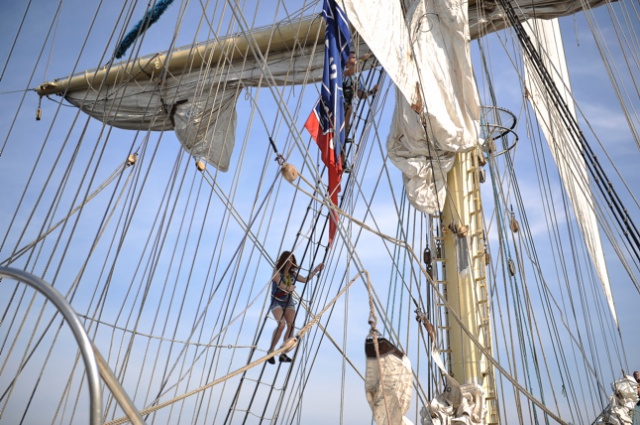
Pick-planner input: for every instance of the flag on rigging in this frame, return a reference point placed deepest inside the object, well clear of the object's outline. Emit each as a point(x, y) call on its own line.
point(326, 121)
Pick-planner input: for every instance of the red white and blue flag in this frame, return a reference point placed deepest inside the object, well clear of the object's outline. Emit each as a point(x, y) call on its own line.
point(326, 122)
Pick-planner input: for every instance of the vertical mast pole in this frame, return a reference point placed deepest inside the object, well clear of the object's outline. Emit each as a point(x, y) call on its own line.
point(465, 277)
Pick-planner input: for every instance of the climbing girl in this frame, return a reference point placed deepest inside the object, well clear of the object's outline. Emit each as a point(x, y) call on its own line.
point(283, 306)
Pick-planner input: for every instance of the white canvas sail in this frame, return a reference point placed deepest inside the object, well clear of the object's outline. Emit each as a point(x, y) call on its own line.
point(427, 51)
point(194, 91)
point(429, 55)
point(169, 269)
point(546, 35)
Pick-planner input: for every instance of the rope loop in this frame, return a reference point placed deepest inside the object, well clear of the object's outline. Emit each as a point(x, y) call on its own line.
point(279, 158)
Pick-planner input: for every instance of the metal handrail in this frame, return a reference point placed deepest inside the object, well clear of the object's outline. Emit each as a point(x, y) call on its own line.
point(79, 333)
point(93, 361)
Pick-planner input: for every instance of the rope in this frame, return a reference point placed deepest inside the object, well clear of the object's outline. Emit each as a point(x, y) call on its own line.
point(337, 210)
point(333, 341)
point(30, 245)
point(150, 18)
point(16, 91)
point(373, 320)
point(287, 346)
point(15, 39)
point(476, 342)
point(626, 224)
point(488, 355)
point(484, 351)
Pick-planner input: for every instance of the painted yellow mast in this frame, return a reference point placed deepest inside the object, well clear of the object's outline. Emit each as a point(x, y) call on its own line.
point(465, 277)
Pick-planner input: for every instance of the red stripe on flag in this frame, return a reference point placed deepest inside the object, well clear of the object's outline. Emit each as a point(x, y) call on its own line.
point(325, 143)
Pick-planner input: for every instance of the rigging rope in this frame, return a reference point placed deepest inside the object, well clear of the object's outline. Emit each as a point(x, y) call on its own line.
point(288, 346)
point(105, 184)
point(149, 18)
point(622, 217)
point(451, 312)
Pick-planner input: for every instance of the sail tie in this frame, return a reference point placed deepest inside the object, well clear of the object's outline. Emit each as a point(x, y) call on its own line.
point(373, 334)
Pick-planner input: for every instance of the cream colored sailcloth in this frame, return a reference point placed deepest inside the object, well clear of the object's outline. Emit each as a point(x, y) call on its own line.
point(437, 107)
point(194, 90)
point(547, 38)
point(388, 383)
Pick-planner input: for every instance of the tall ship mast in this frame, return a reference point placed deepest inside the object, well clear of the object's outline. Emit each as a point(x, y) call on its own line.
point(467, 215)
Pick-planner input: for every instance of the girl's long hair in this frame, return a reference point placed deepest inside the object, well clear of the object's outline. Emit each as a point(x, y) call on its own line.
point(283, 257)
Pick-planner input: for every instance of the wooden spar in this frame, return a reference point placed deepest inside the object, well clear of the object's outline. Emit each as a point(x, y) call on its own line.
point(272, 39)
point(467, 289)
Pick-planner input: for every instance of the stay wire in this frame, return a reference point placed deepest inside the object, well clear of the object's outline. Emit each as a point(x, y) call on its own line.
point(622, 217)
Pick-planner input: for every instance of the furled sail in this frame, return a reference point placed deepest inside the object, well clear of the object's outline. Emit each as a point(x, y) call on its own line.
point(622, 401)
point(571, 165)
point(488, 16)
point(388, 382)
point(429, 61)
point(469, 410)
point(194, 91)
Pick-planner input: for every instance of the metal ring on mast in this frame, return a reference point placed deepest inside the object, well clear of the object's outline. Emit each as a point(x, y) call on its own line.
point(497, 123)
point(506, 149)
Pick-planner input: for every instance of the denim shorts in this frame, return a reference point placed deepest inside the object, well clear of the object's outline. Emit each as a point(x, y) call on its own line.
point(288, 302)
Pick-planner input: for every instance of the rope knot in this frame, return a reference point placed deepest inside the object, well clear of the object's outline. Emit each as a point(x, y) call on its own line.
point(289, 172)
point(131, 159)
point(373, 322)
point(459, 229)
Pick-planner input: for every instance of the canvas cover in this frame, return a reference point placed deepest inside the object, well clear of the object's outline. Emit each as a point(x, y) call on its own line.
point(470, 410)
point(622, 401)
point(388, 385)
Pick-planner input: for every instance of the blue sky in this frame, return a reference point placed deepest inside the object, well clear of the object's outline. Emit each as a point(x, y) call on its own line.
point(78, 43)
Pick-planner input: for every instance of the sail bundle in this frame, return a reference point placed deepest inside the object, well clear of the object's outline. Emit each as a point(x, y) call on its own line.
point(437, 106)
point(194, 91)
point(622, 401)
point(469, 408)
point(389, 381)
